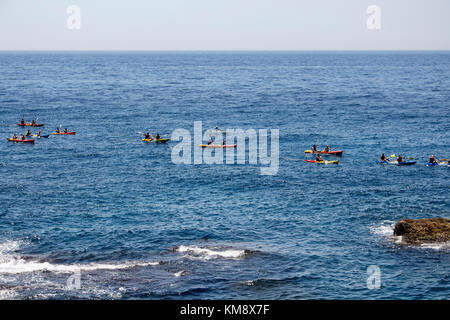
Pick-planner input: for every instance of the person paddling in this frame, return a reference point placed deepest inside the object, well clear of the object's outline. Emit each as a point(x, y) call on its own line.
point(65, 130)
point(22, 121)
point(400, 158)
point(318, 158)
point(327, 149)
point(158, 136)
point(433, 159)
point(33, 122)
point(14, 136)
point(58, 130)
point(23, 137)
point(28, 132)
point(147, 135)
point(383, 157)
point(314, 149)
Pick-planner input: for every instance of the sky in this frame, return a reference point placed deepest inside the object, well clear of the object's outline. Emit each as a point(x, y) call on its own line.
point(224, 25)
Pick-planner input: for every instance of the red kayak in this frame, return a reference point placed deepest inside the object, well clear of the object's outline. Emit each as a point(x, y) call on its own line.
point(331, 152)
point(20, 140)
point(30, 124)
point(57, 133)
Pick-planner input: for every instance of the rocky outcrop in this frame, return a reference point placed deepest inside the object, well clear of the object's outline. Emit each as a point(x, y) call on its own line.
point(423, 230)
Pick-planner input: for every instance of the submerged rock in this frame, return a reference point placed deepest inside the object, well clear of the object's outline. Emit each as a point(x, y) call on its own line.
point(423, 230)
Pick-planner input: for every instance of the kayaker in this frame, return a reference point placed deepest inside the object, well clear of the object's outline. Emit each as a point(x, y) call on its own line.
point(65, 130)
point(400, 158)
point(147, 135)
point(22, 121)
point(14, 136)
point(158, 136)
point(318, 158)
point(39, 133)
point(327, 149)
point(58, 130)
point(28, 132)
point(433, 159)
point(33, 122)
point(383, 157)
point(314, 149)
point(210, 140)
point(23, 137)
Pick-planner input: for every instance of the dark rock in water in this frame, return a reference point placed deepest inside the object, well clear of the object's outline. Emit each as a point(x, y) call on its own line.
point(423, 230)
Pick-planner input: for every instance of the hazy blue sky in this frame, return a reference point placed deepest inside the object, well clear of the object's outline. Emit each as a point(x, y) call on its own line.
point(224, 25)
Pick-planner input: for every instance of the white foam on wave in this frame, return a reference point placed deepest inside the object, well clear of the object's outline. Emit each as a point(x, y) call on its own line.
point(208, 253)
point(385, 229)
point(11, 263)
point(179, 273)
point(436, 246)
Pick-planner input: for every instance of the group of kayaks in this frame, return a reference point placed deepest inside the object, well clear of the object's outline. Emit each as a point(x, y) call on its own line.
point(30, 137)
point(325, 152)
point(399, 161)
point(158, 139)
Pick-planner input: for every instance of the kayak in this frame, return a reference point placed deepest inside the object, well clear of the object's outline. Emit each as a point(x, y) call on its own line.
point(323, 162)
point(41, 136)
point(404, 163)
point(332, 152)
point(214, 146)
point(432, 164)
point(20, 140)
point(60, 133)
point(30, 125)
point(162, 140)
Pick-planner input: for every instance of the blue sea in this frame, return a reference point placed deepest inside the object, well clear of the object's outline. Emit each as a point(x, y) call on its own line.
point(103, 215)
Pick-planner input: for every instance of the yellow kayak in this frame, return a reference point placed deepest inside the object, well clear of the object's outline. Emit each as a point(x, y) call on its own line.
point(324, 162)
point(156, 140)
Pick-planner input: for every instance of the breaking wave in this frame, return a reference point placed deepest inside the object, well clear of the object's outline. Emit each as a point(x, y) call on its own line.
point(212, 252)
point(12, 263)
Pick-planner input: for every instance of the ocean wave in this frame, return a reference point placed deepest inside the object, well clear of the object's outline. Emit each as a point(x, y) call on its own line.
point(212, 252)
point(12, 263)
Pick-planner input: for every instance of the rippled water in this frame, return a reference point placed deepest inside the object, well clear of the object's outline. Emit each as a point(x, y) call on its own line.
point(137, 226)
